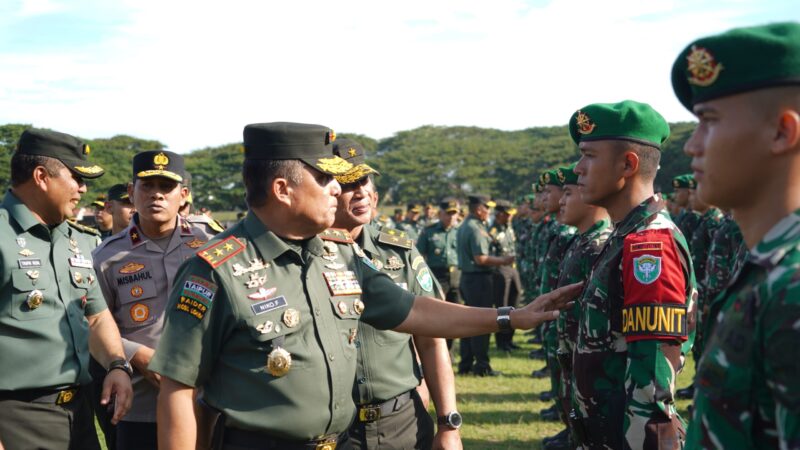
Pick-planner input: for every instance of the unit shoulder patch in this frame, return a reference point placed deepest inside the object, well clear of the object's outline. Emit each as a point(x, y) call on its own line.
point(222, 251)
point(336, 235)
point(395, 238)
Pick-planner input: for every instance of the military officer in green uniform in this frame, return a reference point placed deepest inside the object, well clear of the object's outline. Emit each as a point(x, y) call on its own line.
point(626, 361)
point(507, 284)
point(102, 219)
point(119, 205)
point(743, 86)
point(265, 321)
point(52, 305)
point(476, 264)
point(136, 268)
point(390, 412)
point(411, 224)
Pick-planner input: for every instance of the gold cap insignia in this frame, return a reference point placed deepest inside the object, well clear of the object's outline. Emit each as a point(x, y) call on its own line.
point(546, 177)
point(291, 317)
point(279, 362)
point(330, 137)
point(703, 68)
point(86, 149)
point(335, 165)
point(584, 123)
point(675, 183)
point(90, 170)
point(35, 299)
point(352, 152)
point(160, 160)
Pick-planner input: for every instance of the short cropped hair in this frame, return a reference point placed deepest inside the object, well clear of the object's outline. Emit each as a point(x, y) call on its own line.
point(22, 166)
point(258, 176)
point(649, 157)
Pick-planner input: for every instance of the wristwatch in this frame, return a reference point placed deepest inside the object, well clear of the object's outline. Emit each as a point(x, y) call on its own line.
point(121, 364)
point(452, 420)
point(504, 318)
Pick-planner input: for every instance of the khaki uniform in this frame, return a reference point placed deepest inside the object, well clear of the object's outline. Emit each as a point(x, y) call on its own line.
point(136, 275)
point(247, 303)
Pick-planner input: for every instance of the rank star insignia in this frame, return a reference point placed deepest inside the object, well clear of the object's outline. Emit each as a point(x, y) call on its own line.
point(25, 252)
point(585, 126)
point(256, 280)
point(702, 67)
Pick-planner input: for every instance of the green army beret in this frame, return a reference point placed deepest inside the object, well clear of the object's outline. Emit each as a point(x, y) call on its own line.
point(352, 152)
point(61, 146)
point(119, 192)
point(627, 121)
point(311, 144)
point(530, 198)
point(691, 182)
point(158, 163)
point(567, 174)
point(551, 177)
point(681, 181)
point(739, 60)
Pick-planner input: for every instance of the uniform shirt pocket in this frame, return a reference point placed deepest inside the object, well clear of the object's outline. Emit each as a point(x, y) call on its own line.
point(136, 303)
point(32, 297)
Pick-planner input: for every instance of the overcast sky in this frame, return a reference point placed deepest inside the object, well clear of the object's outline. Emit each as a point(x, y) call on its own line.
point(192, 73)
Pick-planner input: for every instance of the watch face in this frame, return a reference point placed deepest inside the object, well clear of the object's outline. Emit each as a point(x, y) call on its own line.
point(454, 419)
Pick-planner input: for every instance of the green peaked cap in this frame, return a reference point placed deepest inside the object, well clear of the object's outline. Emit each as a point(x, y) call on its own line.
point(567, 174)
point(681, 181)
point(739, 60)
point(627, 120)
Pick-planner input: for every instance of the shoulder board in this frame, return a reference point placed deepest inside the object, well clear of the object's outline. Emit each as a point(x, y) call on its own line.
point(336, 235)
point(395, 238)
point(216, 226)
point(222, 251)
point(84, 228)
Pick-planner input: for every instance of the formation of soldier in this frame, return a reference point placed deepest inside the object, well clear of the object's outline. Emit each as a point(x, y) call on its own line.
point(308, 323)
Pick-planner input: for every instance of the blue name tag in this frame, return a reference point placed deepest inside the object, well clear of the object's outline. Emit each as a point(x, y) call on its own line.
point(28, 263)
point(268, 305)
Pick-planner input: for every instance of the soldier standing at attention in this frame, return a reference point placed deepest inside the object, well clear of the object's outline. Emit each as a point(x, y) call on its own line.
point(390, 413)
point(507, 285)
point(638, 307)
point(265, 320)
point(411, 224)
point(437, 244)
point(689, 219)
point(102, 219)
point(137, 268)
point(593, 227)
point(476, 263)
point(53, 308)
point(119, 206)
point(743, 86)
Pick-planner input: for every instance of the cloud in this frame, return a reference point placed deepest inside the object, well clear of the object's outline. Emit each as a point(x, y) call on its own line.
point(192, 74)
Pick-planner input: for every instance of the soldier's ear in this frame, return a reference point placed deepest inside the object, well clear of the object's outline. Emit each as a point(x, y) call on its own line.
point(631, 163)
point(281, 190)
point(787, 132)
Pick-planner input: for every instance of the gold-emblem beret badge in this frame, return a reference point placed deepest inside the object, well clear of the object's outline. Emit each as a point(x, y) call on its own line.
point(561, 177)
point(584, 123)
point(702, 67)
point(546, 177)
point(160, 160)
point(279, 362)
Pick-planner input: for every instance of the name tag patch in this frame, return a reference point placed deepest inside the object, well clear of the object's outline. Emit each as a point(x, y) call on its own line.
point(647, 246)
point(29, 263)
point(80, 261)
point(654, 320)
point(268, 305)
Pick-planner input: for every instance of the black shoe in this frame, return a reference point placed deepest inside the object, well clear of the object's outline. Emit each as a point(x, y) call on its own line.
point(538, 354)
point(488, 372)
point(546, 396)
point(558, 444)
point(550, 414)
point(687, 392)
point(561, 435)
point(463, 371)
point(541, 373)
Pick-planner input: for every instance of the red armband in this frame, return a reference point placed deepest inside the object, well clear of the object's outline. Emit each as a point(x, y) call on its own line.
point(654, 306)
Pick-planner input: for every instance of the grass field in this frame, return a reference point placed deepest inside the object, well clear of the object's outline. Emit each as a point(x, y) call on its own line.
point(502, 413)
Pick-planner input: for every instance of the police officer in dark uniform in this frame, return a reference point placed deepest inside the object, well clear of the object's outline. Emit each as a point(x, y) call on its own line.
point(52, 304)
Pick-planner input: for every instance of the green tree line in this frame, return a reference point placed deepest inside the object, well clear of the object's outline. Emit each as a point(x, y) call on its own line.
point(419, 165)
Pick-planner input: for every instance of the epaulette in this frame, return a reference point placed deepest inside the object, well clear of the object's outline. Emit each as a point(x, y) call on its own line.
point(84, 228)
point(216, 226)
point(395, 238)
point(222, 251)
point(336, 235)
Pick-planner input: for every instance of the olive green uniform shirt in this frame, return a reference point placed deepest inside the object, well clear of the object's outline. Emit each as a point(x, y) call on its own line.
point(438, 246)
point(473, 239)
point(48, 345)
point(387, 362)
point(247, 291)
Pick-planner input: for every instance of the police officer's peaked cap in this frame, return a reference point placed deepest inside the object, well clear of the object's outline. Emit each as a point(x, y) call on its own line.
point(119, 192)
point(158, 163)
point(61, 146)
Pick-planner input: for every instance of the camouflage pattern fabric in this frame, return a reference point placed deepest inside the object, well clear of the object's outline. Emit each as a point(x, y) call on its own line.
point(624, 381)
point(748, 382)
point(687, 221)
point(700, 245)
point(575, 267)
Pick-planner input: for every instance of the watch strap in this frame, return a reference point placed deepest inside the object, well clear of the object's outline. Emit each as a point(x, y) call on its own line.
point(504, 318)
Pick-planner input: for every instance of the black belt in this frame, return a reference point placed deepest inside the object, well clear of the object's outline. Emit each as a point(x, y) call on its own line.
point(373, 413)
point(256, 440)
point(52, 396)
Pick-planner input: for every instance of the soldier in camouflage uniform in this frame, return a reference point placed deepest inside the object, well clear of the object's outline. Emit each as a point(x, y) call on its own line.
point(560, 237)
point(743, 87)
point(688, 219)
point(638, 307)
point(593, 227)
